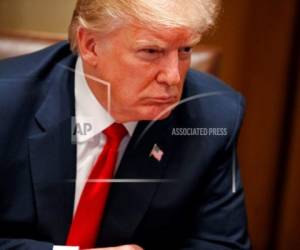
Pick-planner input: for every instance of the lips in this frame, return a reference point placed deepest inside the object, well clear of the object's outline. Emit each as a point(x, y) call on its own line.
point(164, 100)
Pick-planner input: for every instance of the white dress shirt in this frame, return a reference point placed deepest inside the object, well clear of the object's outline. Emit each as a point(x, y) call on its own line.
point(91, 120)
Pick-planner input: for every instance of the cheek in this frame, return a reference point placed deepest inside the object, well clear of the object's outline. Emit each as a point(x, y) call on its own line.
point(183, 71)
point(184, 67)
point(133, 78)
point(132, 85)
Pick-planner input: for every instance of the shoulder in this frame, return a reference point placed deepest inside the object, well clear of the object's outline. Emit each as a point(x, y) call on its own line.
point(211, 93)
point(26, 74)
point(26, 80)
point(202, 85)
point(21, 75)
point(33, 64)
point(209, 102)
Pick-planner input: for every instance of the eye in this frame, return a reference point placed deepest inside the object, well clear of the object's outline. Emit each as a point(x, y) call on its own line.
point(187, 49)
point(149, 53)
point(185, 52)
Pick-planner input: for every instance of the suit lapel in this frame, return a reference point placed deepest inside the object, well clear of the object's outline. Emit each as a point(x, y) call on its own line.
point(128, 202)
point(53, 156)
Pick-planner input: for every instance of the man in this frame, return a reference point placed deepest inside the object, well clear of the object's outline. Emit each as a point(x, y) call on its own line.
point(151, 164)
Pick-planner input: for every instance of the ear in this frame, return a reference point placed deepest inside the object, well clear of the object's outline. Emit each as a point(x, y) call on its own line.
point(86, 41)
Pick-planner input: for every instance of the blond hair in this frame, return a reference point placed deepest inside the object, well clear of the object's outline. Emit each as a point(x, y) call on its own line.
point(107, 15)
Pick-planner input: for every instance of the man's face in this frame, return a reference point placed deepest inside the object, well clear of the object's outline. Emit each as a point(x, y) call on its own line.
point(146, 69)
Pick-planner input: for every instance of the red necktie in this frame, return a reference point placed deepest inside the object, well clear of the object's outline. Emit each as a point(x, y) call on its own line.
point(87, 220)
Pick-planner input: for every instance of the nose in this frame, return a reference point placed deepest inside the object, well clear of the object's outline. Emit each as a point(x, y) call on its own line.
point(170, 73)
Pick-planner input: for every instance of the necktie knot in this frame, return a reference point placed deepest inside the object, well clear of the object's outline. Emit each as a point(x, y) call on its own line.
point(115, 133)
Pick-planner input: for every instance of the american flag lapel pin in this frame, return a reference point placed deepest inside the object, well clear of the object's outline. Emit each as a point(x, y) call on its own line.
point(156, 152)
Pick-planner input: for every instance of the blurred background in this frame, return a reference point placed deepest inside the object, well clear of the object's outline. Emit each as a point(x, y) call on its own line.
point(260, 43)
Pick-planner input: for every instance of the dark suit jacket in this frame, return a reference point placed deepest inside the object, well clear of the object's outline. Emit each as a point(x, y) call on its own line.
point(194, 208)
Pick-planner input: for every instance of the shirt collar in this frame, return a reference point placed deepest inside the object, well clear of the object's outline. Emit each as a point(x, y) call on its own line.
point(91, 117)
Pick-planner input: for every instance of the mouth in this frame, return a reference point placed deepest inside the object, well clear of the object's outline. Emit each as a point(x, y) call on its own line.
point(164, 100)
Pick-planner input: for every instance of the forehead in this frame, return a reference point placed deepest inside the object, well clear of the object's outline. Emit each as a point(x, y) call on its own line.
point(160, 36)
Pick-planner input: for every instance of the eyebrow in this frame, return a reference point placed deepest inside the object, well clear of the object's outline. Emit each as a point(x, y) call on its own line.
point(151, 42)
point(160, 44)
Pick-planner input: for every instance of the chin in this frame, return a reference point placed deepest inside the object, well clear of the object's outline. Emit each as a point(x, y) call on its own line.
point(144, 113)
point(155, 114)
